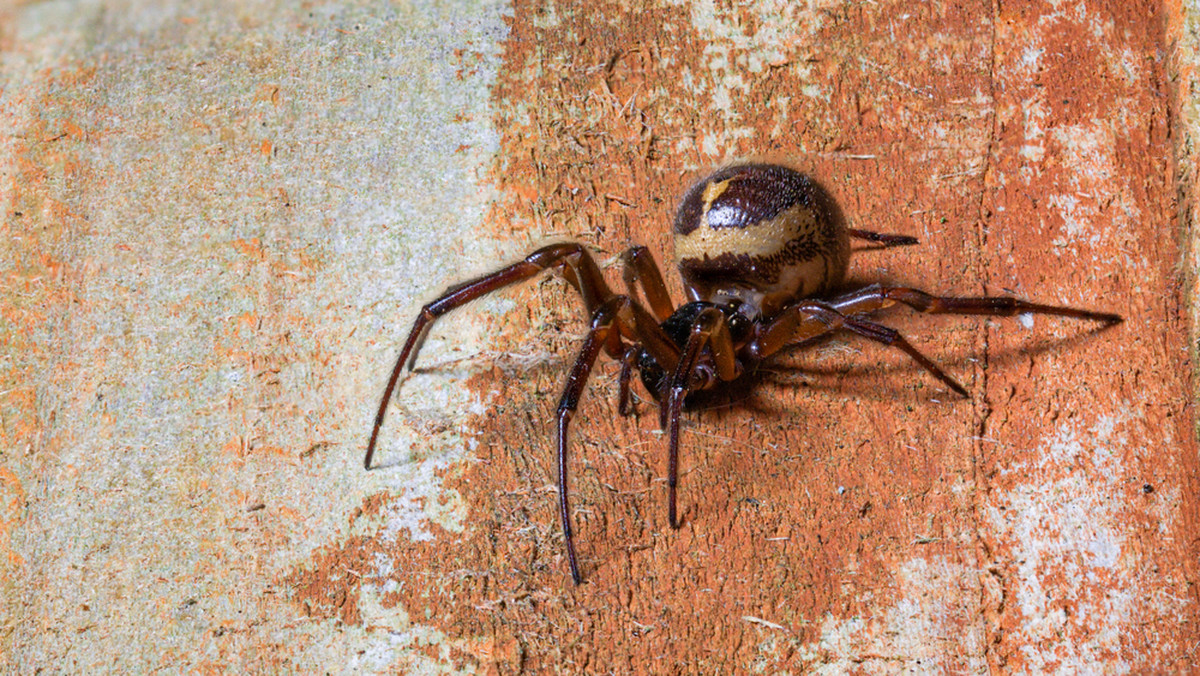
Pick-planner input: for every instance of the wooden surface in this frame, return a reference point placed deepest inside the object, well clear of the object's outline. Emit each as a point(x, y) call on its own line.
point(211, 277)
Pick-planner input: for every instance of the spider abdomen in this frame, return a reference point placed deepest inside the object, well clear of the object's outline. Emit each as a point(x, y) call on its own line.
point(760, 235)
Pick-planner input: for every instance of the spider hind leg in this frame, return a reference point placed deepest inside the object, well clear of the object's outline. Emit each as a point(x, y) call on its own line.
point(809, 320)
point(883, 239)
point(877, 297)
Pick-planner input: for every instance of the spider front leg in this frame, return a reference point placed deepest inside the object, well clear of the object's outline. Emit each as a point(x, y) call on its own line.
point(597, 337)
point(639, 267)
point(577, 264)
point(709, 328)
point(616, 314)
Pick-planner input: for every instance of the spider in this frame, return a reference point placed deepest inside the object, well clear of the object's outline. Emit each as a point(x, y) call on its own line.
point(763, 251)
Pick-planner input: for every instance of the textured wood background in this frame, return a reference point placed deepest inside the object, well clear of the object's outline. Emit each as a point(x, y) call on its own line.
point(219, 221)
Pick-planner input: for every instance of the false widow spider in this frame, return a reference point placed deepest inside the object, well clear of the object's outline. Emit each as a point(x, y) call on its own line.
point(762, 249)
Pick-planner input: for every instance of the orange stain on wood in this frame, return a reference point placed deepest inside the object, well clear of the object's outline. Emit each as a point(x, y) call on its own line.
point(251, 247)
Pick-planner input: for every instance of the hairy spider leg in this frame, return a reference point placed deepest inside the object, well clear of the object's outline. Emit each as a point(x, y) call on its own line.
point(709, 328)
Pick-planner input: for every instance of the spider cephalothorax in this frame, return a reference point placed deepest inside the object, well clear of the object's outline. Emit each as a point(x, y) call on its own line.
point(762, 250)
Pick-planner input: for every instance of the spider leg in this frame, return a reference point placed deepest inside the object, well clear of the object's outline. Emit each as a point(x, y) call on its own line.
point(606, 325)
point(602, 325)
point(887, 240)
point(878, 297)
point(708, 328)
point(580, 270)
point(639, 266)
point(625, 394)
point(585, 277)
point(809, 319)
point(891, 337)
